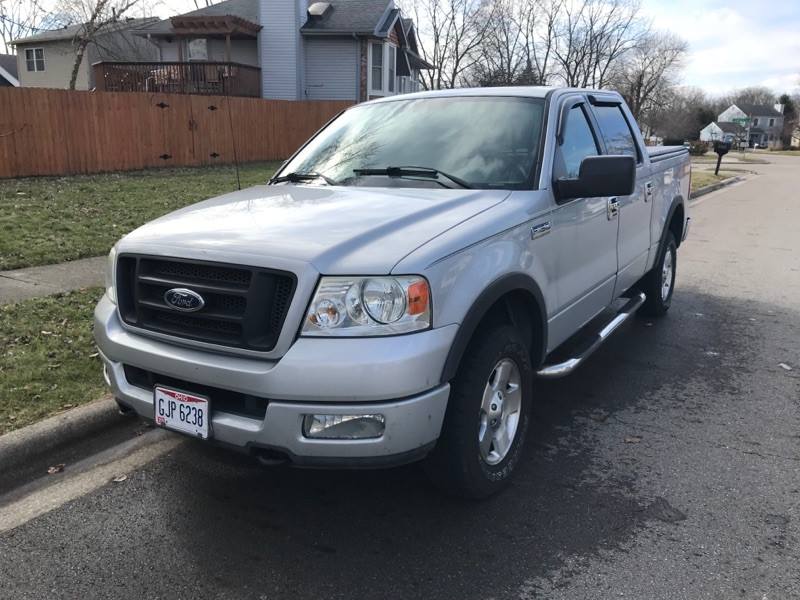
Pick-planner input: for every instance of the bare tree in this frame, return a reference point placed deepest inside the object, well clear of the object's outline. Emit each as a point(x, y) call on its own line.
point(501, 56)
point(647, 73)
point(682, 115)
point(592, 35)
point(21, 18)
point(575, 42)
point(93, 16)
point(517, 48)
point(758, 95)
point(451, 33)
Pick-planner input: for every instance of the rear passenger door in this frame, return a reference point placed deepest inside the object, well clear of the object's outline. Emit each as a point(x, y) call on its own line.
point(586, 232)
point(616, 128)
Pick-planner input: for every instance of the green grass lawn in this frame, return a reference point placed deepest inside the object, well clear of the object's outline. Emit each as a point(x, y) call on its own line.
point(48, 220)
point(703, 178)
point(48, 362)
point(784, 152)
point(732, 157)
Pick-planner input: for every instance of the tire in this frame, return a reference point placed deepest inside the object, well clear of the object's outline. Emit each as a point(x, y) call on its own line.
point(659, 284)
point(461, 465)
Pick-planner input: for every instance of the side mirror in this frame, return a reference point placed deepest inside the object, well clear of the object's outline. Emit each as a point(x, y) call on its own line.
point(600, 176)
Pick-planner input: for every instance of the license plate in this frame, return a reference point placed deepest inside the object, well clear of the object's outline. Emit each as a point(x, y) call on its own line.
point(181, 411)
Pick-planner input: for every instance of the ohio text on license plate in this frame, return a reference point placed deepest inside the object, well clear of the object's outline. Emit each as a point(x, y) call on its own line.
point(181, 411)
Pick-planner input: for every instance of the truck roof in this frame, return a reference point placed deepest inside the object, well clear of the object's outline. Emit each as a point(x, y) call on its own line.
point(521, 91)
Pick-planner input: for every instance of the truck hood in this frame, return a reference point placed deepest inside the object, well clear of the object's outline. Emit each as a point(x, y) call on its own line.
point(338, 230)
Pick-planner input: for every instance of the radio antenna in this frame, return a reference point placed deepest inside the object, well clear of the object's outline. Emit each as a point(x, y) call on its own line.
point(233, 136)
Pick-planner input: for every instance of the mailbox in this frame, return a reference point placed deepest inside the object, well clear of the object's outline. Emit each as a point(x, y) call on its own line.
point(721, 148)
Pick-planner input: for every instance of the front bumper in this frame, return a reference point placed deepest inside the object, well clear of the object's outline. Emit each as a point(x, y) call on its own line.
point(398, 377)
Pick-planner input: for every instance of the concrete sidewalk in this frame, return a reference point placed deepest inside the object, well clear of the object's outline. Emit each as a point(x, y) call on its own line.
point(33, 282)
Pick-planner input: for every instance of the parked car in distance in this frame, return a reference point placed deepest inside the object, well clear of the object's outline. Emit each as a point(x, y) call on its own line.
point(396, 289)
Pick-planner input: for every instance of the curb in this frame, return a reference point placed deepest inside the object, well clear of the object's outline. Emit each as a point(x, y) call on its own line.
point(22, 445)
point(716, 186)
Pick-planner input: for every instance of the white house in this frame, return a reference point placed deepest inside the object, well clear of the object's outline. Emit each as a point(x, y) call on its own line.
point(723, 132)
point(750, 123)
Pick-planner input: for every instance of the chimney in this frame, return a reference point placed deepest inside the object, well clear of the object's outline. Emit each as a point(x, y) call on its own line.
point(779, 108)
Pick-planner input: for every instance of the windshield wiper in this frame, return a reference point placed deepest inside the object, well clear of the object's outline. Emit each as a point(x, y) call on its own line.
point(297, 177)
point(429, 172)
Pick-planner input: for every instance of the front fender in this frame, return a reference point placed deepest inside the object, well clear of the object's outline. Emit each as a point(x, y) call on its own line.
point(496, 290)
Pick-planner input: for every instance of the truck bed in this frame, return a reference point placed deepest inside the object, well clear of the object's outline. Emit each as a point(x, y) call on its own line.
point(659, 153)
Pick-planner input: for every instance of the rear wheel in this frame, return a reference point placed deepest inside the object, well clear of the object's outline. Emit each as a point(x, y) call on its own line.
point(659, 284)
point(487, 416)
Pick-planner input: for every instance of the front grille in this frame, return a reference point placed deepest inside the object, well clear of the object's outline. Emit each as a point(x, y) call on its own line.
point(245, 307)
point(221, 400)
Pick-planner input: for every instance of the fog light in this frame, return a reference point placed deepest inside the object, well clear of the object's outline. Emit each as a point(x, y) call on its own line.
point(344, 427)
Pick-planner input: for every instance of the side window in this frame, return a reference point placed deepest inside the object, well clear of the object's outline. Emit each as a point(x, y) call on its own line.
point(616, 132)
point(578, 143)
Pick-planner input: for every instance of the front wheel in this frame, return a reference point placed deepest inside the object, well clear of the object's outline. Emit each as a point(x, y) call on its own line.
point(659, 284)
point(487, 416)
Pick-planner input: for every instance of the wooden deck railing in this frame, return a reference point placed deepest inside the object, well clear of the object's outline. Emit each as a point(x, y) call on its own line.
point(211, 78)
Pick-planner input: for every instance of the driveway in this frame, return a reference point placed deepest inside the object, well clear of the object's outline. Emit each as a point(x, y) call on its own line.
point(667, 467)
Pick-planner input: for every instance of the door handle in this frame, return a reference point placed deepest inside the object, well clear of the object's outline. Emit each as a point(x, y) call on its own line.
point(541, 229)
point(612, 208)
point(648, 190)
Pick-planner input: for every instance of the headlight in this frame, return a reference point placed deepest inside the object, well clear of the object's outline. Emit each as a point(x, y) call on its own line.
point(111, 290)
point(366, 306)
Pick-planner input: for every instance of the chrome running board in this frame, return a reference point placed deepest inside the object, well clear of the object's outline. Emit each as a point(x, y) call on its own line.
point(566, 367)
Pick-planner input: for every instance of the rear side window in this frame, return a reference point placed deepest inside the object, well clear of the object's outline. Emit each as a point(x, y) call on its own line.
point(578, 143)
point(615, 130)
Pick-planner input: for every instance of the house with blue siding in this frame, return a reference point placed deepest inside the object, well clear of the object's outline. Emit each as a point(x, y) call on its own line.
point(283, 49)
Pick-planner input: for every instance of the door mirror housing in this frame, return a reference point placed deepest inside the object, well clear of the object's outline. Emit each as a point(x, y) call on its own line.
point(600, 176)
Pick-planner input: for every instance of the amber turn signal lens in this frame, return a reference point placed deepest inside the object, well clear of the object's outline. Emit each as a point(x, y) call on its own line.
point(418, 295)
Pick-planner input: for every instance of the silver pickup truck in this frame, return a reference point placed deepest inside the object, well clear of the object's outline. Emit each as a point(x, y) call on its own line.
point(396, 289)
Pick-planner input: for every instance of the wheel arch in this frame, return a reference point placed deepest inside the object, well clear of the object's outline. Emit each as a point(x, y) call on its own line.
point(675, 221)
point(516, 298)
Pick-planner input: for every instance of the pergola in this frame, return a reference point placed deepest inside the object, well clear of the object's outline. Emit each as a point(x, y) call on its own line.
point(228, 27)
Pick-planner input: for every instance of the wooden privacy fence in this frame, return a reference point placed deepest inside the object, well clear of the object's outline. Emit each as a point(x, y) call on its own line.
point(61, 132)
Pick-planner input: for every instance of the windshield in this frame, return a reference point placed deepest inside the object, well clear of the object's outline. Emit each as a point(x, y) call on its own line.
point(486, 141)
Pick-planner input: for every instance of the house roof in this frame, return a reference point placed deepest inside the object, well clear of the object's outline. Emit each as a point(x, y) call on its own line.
point(730, 127)
point(757, 110)
point(72, 31)
point(8, 67)
point(243, 9)
point(367, 17)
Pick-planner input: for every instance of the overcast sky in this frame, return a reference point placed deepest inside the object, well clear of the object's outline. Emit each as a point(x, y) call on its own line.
point(733, 43)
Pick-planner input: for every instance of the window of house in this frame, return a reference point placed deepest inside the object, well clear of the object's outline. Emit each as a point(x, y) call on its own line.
point(772, 122)
point(34, 59)
point(197, 49)
point(392, 67)
point(755, 122)
point(616, 131)
point(578, 143)
point(376, 64)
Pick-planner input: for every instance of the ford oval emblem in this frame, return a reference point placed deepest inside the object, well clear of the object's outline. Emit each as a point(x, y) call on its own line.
point(184, 300)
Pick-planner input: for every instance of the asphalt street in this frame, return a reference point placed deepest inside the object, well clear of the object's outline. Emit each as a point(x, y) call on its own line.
point(667, 467)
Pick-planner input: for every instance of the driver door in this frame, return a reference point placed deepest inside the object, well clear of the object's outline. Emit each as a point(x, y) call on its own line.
point(588, 227)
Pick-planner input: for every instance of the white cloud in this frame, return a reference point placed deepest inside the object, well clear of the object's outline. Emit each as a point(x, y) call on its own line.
point(732, 45)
